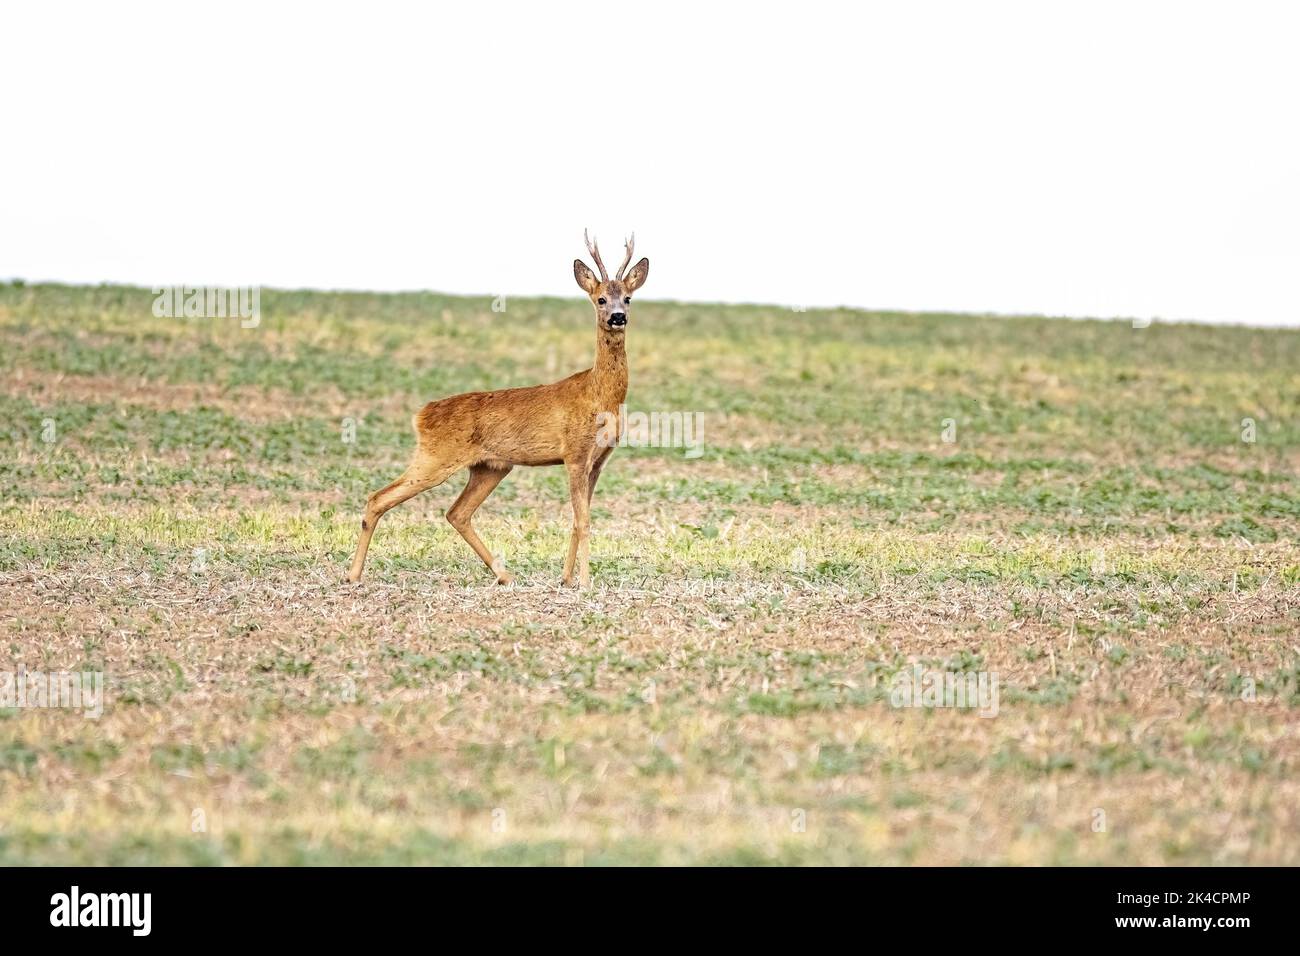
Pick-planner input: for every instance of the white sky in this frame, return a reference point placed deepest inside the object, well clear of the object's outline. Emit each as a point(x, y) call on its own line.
point(1107, 159)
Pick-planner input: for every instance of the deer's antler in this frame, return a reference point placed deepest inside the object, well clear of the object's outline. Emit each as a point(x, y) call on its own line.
point(629, 243)
point(595, 254)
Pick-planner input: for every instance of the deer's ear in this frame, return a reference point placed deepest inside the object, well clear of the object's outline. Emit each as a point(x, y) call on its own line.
point(636, 278)
point(586, 278)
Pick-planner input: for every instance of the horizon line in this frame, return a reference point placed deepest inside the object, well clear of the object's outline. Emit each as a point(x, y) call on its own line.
point(796, 308)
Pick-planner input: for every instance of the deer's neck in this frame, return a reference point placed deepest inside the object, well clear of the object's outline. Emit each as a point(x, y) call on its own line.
point(609, 373)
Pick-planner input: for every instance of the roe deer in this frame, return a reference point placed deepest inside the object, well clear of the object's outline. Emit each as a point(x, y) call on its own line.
point(557, 424)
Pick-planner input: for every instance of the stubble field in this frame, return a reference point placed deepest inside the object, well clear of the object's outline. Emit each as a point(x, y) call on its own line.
point(179, 499)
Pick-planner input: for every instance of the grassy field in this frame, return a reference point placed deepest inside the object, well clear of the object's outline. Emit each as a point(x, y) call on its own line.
point(178, 504)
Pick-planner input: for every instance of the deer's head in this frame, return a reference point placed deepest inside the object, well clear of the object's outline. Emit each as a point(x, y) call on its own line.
point(612, 298)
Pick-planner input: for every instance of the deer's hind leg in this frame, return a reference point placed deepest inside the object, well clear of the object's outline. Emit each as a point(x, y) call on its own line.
point(425, 472)
point(483, 480)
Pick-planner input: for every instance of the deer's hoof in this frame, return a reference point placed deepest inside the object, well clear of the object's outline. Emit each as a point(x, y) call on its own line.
point(498, 568)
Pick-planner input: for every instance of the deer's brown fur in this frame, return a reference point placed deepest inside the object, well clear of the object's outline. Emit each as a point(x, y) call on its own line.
point(491, 432)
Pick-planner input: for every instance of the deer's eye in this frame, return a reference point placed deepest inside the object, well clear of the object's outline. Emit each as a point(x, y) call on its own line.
point(600, 301)
point(627, 300)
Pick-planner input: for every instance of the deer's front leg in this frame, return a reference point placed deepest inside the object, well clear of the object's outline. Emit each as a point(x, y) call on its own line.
point(593, 475)
point(579, 480)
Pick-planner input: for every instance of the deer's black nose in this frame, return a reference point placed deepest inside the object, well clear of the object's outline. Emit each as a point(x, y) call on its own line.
point(618, 318)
